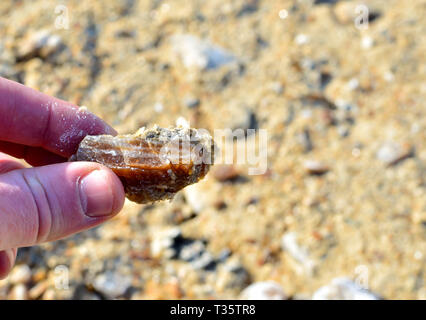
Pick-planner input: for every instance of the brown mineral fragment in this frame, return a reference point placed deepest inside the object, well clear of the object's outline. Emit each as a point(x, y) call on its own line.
point(152, 164)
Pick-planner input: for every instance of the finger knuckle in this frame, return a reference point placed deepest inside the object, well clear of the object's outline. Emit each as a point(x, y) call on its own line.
point(43, 207)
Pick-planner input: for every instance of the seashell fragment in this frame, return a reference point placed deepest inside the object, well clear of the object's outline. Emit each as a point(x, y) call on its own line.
point(316, 167)
point(152, 164)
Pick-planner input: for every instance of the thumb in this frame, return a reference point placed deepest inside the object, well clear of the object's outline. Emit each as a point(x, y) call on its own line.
point(52, 202)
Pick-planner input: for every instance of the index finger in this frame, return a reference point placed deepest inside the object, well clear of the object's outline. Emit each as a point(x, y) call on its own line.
point(32, 118)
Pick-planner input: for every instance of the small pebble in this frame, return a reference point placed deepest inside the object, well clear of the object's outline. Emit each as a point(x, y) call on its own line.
point(192, 251)
point(191, 102)
point(41, 43)
point(265, 290)
point(205, 261)
point(277, 87)
point(352, 84)
point(19, 292)
point(388, 76)
point(20, 274)
point(158, 107)
point(37, 291)
point(223, 255)
point(197, 196)
point(283, 14)
point(301, 39)
point(162, 244)
point(200, 54)
point(224, 173)
point(112, 284)
point(237, 274)
point(305, 140)
point(290, 244)
point(345, 11)
point(343, 131)
point(391, 153)
point(49, 294)
point(367, 42)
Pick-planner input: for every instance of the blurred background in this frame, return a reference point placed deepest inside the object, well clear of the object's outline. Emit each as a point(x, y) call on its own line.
point(339, 86)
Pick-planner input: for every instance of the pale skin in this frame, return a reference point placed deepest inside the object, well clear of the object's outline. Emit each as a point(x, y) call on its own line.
point(54, 198)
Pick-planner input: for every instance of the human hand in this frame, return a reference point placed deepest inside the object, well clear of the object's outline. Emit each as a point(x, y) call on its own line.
point(51, 200)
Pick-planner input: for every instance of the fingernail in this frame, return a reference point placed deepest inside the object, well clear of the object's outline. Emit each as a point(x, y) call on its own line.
point(96, 194)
